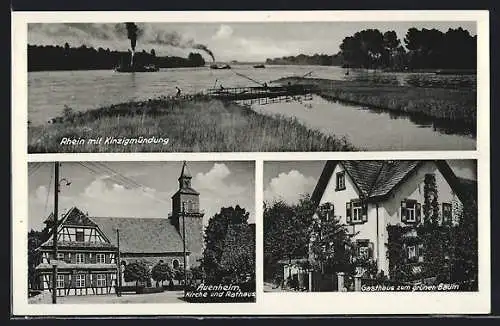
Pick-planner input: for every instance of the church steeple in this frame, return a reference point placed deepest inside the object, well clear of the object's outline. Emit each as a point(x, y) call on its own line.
point(185, 177)
point(186, 207)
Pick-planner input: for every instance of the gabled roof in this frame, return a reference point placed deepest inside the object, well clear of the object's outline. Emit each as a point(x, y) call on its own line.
point(376, 179)
point(73, 217)
point(141, 235)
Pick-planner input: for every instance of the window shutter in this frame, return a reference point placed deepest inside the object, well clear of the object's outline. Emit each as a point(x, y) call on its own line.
point(364, 214)
point(403, 211)
point(370, 250)
point(418, 212)
point(348, 212)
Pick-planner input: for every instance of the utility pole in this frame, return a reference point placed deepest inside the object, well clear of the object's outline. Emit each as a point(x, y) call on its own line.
point(118, 261)
point(54, 232)
point(184, 243)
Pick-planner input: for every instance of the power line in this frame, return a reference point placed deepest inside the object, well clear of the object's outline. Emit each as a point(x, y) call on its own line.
point(127, 179)
point(95, 169)
point(33, 167)
point(131, 181)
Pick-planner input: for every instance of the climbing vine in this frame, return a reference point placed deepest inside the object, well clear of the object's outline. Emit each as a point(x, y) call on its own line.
point(431, 205)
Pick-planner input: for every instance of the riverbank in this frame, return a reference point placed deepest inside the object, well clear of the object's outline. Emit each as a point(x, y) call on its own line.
point(457, 106)
point(194, 124)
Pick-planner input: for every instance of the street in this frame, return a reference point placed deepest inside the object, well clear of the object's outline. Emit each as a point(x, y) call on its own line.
point(163, 297)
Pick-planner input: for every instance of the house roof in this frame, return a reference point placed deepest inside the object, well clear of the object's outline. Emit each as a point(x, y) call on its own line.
point(72, 217)
point(141, 235)
point(186, 190)
point(376, 179)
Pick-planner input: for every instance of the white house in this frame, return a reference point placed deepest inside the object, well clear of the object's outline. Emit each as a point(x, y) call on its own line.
point(367, 196)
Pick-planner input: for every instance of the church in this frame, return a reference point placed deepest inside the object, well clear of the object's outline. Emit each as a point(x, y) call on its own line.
point(87, 257)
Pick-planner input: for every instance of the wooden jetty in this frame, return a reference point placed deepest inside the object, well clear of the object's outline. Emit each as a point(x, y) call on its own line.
point(256, 93)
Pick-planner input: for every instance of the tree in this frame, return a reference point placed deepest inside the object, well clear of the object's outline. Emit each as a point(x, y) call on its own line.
point(35, 239)
point(137, 271)
point(238, 258)
point(391, 46)
point(364, 49)
point(287, 232)
point(215, 235)
point(464, 266)
point(162, 272)
point(331, 243)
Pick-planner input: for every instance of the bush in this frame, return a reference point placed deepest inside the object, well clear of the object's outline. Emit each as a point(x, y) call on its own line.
point(144, 290)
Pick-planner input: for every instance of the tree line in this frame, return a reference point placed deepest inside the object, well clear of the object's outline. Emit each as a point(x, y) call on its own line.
point(420, 49)
point(313, 60)
point(42, 58)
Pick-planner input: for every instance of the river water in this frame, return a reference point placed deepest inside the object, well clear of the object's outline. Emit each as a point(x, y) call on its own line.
point(50, 91)
point(370, 129)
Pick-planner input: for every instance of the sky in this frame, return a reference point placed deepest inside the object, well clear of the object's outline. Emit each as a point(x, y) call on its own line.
point(100, 192)
point(228, 41)
point(290, 180)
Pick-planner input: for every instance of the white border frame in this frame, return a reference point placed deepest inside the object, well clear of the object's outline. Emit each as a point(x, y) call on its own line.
point(267, 303)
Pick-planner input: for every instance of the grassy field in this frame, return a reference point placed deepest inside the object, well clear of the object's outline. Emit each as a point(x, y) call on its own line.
point(197, 124)
point(440, 103)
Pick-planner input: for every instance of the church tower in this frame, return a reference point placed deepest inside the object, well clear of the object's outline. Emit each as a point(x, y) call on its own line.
point(187, 200)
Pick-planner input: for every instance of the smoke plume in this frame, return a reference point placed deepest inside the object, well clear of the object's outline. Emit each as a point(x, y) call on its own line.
point(132, 30)
point(176, 40)
point(204, 48)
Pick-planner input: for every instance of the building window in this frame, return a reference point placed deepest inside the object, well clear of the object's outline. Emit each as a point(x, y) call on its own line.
point(60, 281)
point(79, 235)
point(175, 264)
point(100, 258)
point(410, 211)
point(356, 212)
point(100, 280)
point(412, 252)
point(340, 181)
point(80, 258)
point(364, 249)
point(60, 256)
point(447, 217)
point(80, 280)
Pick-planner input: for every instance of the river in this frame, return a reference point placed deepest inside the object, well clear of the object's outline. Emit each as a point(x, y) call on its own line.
point(50, 91)
point(370, 129)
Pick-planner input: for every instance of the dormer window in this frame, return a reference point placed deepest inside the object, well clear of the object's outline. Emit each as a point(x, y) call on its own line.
point(340, 185)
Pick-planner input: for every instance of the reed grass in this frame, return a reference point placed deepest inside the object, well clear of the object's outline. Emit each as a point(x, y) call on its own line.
point(442, 103)
point(197, 124)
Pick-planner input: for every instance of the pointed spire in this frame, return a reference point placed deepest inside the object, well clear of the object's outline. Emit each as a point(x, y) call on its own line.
point(185, 177)
point(185, 171)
